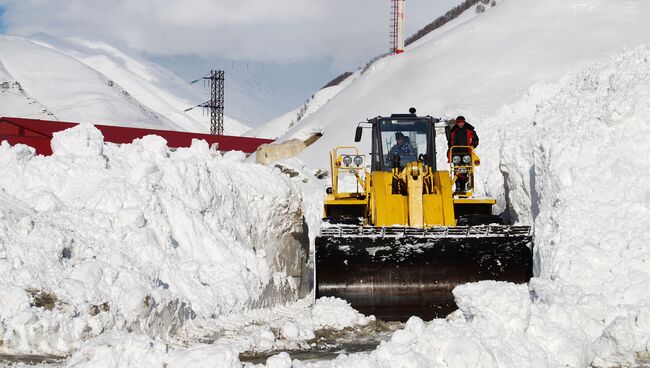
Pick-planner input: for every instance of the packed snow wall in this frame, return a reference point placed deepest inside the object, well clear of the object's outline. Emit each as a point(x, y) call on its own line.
point(138, 237)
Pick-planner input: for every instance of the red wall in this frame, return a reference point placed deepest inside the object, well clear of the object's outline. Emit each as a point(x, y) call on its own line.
point(38, 133)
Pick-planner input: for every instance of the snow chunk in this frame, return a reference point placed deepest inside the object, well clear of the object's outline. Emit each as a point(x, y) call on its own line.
point(83, 140)
point(282, 360)
point(336, 313)
point(501, 303)
point(130, 350)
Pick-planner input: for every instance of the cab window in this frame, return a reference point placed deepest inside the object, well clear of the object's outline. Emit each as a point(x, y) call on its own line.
point(403, 141)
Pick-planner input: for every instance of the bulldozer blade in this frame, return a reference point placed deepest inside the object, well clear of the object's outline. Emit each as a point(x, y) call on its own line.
point(398, 272)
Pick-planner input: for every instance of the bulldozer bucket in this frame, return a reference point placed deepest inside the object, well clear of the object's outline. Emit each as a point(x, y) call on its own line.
point(398, 272)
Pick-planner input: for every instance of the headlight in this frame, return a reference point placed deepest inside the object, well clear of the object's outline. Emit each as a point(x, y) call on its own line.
point(358, 160)
point(467, 159)
point(347, 160)
point(462, 170)
point(455, 160)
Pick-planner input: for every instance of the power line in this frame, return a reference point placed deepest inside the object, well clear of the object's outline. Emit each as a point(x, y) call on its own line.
point(104, 100)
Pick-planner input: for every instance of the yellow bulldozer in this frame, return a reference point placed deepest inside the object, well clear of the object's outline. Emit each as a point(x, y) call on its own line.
point(396, 239)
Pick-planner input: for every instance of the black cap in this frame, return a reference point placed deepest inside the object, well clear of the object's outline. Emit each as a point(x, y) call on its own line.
point(460, 118)
point(399, 135)
point(412, 110)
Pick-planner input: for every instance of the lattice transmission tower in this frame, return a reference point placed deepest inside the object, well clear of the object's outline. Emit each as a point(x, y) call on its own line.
point(216, 81)
point(397, 27)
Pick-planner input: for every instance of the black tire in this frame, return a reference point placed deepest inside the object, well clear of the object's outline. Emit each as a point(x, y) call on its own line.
point(478, 219)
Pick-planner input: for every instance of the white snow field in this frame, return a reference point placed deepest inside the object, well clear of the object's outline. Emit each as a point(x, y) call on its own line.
point(181, 244)
point(82, 81)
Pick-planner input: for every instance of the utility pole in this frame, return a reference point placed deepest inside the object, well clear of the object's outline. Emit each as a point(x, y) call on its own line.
point(397, 27)
point(216, 80)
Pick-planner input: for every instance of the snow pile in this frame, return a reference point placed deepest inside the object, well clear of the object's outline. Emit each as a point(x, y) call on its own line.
point(580, 177)
point(138, 237)
point(282, 327)
point(289, 326)
point(336, 313)
point(572, 158)
point(128, 350)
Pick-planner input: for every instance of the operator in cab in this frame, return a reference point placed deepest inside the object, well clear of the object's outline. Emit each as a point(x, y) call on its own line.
point(402, 146)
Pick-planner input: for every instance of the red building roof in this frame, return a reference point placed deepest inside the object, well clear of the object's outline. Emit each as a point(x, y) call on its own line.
point(38, 133)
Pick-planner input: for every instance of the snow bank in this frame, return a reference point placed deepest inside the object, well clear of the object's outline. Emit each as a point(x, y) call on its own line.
point(572, 159)
point(282, 327)
point(290, 326)
point(137, 237)
point(580, 175)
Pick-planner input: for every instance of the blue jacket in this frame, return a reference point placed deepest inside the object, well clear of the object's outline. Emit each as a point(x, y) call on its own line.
point(403, 150)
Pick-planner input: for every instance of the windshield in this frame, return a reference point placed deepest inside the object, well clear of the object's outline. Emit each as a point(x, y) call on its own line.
point(403, 140)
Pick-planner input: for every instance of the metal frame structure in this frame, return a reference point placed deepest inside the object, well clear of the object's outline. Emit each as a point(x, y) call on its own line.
point(216, 79)
point(397, 27)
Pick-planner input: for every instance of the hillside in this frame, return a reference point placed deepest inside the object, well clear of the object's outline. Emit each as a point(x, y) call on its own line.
point(478, 66)
point(78, 80)
point(280, 125)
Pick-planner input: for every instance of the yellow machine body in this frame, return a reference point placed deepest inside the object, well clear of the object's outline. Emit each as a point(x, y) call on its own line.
point(415, 196)
point(397, 238)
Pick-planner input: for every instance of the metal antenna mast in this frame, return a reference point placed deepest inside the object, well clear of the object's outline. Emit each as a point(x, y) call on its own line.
point(397, 27)
point(216, 80)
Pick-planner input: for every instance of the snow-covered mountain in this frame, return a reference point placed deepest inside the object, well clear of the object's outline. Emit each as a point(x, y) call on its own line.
point(475, 67)
point(293, 119)
point(78, 80)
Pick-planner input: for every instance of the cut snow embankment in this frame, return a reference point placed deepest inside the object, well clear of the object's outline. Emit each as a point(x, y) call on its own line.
point(572, 157)
point(137, 237)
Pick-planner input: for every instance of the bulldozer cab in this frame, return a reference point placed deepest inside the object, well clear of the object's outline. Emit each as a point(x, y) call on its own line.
point(400, 139)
